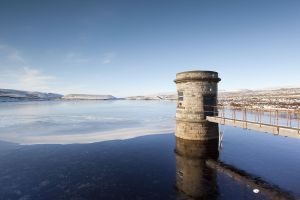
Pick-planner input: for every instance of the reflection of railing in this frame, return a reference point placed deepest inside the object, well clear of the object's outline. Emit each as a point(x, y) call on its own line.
point(270, 190)
point(278, 118)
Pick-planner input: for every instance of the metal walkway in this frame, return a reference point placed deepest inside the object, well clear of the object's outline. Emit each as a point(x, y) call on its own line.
point(276, 121)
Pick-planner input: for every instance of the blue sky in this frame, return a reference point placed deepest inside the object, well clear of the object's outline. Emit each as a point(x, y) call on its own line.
point(129, 47)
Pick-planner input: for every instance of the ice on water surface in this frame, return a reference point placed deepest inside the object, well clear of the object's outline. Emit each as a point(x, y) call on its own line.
point(83, 121)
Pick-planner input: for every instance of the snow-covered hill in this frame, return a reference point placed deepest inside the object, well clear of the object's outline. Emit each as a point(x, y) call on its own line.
point(88, 97)
point(18, 95)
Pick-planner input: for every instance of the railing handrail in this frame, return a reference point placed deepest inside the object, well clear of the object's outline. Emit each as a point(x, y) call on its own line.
point(261, 109)
point(274, 115)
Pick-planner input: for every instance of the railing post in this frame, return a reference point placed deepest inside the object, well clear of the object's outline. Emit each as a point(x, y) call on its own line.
point(260, 118)
point(224, 115)
point(298, 122)
point(291, 118)
point(287, 118)
point(234, 115)
point(277, 118)
point(246, 117)
point(243, 112)
point(270, 117)
point(272, 121)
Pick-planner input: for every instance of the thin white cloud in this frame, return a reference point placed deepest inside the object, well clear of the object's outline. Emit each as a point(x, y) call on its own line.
point(10, 56)
point(75, 57)
point(108, 58)
point(26, 79)
point(16, 73)
point(33, 78)
point(16, 57)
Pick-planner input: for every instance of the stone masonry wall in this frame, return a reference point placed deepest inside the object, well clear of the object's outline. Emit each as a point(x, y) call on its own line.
point(190, 113)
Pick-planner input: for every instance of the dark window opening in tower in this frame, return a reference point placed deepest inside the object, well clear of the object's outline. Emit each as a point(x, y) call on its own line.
point(208, 103)
point(180, 96)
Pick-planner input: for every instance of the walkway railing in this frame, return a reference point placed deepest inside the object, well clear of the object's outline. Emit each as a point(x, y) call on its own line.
point(277, 118)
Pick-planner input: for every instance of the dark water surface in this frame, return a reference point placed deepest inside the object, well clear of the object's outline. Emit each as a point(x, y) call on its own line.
point(143, 167)
point(139, 168)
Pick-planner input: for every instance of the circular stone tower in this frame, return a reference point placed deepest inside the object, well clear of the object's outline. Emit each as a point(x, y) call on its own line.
point(197, 95)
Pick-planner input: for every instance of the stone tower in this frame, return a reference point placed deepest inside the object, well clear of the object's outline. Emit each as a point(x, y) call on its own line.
point(197, 95)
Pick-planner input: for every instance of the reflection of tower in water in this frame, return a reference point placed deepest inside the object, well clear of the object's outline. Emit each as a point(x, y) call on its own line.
point(193, 178)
